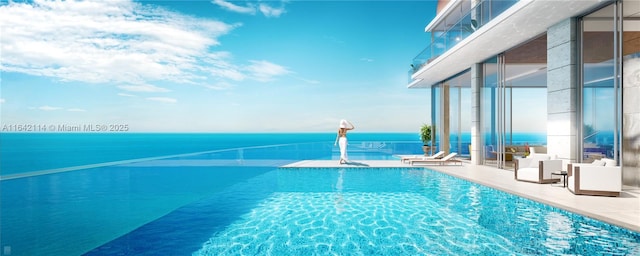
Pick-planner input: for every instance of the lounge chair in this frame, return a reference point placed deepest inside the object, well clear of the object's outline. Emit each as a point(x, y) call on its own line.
point(405, 158)
point(442, 161)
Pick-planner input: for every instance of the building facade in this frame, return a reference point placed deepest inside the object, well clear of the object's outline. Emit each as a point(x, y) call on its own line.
point(557, 76)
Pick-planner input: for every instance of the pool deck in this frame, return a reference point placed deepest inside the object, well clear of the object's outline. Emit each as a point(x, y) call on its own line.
point(622, 211)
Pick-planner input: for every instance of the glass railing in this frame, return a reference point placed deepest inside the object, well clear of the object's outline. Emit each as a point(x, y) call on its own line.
point(451, 35)
point(264, 156)
point(275, 155)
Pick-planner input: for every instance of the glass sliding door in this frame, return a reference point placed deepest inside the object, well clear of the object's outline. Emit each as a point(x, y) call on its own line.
point(460, 114)
point(488, 112)
point(526, 96)
point(514, 104)
point(600, 85)
point(436, 109)
point(502, 112)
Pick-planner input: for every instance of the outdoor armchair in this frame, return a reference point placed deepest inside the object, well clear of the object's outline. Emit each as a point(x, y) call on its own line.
point(537, 168)
point(600, 178)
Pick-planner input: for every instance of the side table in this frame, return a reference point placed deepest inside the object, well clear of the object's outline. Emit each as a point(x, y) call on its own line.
point(564, 177)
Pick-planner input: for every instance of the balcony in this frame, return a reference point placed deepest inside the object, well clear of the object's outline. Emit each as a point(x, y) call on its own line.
point(458, 22)
point(515, 25)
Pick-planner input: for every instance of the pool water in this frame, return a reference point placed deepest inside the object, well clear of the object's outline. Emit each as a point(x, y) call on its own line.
point(62, 212)
point(239, 202)
point(372, 211)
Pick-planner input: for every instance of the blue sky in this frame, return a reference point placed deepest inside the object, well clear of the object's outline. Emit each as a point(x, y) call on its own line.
point(213, 66)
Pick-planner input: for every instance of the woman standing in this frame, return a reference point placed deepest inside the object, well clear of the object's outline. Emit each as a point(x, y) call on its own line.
point(342, 139)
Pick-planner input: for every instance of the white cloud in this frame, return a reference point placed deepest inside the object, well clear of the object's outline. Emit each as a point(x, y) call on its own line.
point(265, 71)
point(115, 41)
point(1, 100)
point(126, 95)
point(142, 88)
point(366, 60)
point(76, 110)
point(231, 73)
point(219, 86)
point(163, 99)
point(122, 42)
point(251, 8)
point(309, 81)
point(48, 108)
point(269, 11)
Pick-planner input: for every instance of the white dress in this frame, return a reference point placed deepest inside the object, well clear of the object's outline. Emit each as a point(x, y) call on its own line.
point(342, 142)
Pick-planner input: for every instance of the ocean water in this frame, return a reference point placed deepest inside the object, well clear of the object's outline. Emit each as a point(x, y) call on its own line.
point(29, 152)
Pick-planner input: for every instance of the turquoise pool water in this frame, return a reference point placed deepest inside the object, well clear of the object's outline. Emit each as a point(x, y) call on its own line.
point(238, 202)
point(74, 212)
point(376, 211)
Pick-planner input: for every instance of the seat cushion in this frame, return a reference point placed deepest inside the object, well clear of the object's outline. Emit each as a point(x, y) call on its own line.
point(536, 160)
point(571, 183)
point(529, 174)
point(609, 162)
point(598, 163)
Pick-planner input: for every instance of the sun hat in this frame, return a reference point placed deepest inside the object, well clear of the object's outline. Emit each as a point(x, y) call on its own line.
point(343, 123)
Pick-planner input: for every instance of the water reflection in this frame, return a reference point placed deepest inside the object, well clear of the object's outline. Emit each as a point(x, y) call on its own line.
point(339, 200)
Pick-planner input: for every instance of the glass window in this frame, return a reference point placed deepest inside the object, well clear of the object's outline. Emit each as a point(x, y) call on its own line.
point(488, 105)
point(436, 109)
point(514, 103)
point(460, 113)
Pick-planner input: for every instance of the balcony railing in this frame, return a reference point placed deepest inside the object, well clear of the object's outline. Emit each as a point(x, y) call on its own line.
point(458, 26)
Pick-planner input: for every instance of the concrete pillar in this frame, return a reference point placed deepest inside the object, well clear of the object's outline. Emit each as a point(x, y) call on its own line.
point(476, 140)
point(631, 122)
point(562, 102)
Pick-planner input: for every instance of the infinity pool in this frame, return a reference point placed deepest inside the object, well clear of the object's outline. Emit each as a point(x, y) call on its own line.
point(372, 211)
point(239, 202)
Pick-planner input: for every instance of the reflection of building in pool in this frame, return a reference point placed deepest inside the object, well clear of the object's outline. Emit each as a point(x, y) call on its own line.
point(567, 69)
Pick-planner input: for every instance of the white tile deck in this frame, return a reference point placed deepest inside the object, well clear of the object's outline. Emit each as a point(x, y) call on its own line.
point(622, 211)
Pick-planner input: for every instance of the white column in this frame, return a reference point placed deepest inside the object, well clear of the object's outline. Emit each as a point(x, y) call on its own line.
point(631, 122)
point(476, 138)
point(562, 102)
